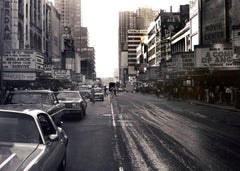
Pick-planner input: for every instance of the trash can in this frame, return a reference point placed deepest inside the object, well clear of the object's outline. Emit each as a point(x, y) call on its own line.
point(237, 100)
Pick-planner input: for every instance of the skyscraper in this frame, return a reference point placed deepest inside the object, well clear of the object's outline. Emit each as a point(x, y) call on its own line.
point(70, 11)
point(132, 26)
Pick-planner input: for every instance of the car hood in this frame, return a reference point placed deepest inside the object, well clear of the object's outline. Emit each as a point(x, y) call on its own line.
point(22, 107)
point(13, 155)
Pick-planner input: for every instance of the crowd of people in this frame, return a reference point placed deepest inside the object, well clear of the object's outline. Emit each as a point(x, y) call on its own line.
point(218, 94)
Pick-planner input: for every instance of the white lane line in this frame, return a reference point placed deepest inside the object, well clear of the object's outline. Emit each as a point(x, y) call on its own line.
point(7, 160)
point(113, 117)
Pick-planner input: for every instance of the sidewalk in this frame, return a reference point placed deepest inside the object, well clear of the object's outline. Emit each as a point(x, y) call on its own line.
point(220, 106)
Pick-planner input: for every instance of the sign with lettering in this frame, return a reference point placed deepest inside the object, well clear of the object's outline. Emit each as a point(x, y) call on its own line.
point(62, 74)
point(185, 61)
point(7, 20)
point(213, 22)
point(19, 76)
point(23, 60)
point(220, 57)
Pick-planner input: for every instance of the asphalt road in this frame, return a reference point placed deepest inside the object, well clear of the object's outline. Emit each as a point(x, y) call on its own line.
point(141, 132)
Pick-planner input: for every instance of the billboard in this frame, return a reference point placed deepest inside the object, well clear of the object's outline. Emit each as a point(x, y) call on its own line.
point(213, 22)
point(216, 57)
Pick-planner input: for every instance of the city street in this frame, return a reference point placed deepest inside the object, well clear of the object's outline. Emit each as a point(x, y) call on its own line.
point(142, 132)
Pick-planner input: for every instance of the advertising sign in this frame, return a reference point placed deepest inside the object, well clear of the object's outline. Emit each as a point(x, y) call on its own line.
point(185, 61)
point(19, 76)
point(62, 74)
point(22, 60)
point(10, 24)
point(213, 21)
point(235, 12)
point(219, 56)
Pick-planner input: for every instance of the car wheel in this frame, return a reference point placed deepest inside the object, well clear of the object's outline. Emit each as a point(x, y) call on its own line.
point(63, 164)
point(84, 112)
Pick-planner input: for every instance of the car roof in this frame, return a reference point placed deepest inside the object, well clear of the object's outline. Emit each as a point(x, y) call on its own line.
point(28, 91)
point(30, 112)
point(68, 91)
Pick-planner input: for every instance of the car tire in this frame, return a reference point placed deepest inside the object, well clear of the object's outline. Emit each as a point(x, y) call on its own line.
point(84, 112)
point(63, 163)
point(81, 115)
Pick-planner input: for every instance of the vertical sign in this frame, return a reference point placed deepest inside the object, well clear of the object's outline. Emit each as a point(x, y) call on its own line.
point(213, 22)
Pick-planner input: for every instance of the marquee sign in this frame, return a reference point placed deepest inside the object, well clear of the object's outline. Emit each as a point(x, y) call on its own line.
point(220, 57)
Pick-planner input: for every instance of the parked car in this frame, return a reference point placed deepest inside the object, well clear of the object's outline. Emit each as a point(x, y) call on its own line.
point(36, 99)
point(74, 102)
point(98, 94)
point(31, 141)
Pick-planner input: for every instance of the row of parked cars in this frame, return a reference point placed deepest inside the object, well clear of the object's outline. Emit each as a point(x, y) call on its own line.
point(31, 137)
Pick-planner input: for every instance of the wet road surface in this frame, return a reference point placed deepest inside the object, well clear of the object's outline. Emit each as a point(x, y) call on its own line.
point(169, 135)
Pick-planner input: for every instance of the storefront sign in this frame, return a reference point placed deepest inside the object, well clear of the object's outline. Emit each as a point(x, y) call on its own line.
point(19, 76)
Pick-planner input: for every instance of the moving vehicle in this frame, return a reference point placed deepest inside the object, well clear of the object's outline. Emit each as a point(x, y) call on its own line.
point(112, 85)
point(85, 91)
point(30, 140)
point(36, 99)
point(98, 94)
point(74, 102)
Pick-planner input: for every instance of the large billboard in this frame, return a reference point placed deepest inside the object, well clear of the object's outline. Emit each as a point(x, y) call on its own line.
point(235, 13)
point(219, 56)
point(213, 22)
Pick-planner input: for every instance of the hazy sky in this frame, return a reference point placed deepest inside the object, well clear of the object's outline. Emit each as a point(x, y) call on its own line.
point(101, 19)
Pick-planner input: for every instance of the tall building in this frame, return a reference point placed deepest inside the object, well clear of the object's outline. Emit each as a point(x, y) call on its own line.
point(134, 38)
point(87, 56)
point(23, 31)
point(132, 25)
point(71, 17)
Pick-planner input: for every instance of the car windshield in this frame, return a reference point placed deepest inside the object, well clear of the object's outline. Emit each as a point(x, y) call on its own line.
point(68, 96)
point(20, 128)
point(27, 98)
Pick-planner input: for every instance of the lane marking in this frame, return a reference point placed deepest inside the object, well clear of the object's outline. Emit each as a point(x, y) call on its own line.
point(113, 117)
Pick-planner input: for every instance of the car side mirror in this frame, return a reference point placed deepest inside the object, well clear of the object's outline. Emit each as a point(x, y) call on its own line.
point(53, 137)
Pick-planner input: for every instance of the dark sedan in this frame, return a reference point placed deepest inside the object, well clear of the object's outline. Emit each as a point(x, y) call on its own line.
point(36, 99)
point(30, 141)
point(74, 102)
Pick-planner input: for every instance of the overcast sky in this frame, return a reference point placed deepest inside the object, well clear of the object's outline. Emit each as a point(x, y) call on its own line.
point(101, 19)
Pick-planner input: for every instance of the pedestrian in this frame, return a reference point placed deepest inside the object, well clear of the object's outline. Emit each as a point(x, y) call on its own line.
point(115, 91)
point(92, 94)
point(105, 91)
point(228, 92)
